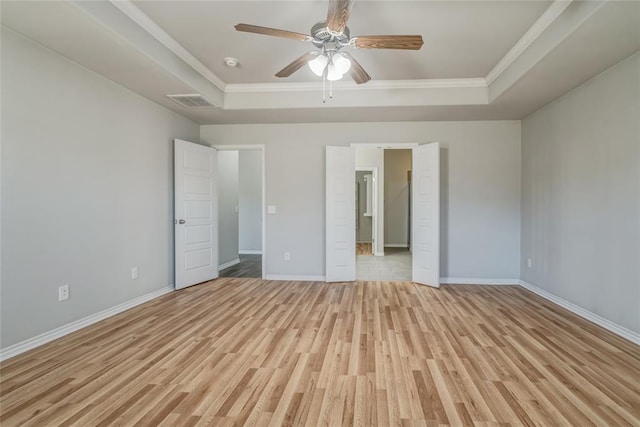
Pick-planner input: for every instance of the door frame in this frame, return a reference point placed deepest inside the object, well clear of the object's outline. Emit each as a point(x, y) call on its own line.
point(395, 146)
point(374, 205)
point(261, 148)
point(380, 200)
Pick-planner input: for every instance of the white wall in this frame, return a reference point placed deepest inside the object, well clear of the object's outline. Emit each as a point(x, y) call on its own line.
point(228, 206)
point(371, 157)
point(480, 176)
point(250, 201)
point(396, 196)
point(87, 191)
point(581, 195)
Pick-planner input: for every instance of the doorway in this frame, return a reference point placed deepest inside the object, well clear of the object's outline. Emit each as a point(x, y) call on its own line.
point(383, 205)
point(340, 225)
point(241, 210)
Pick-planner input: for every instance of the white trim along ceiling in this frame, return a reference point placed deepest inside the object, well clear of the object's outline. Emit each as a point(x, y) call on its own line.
point(561, 33)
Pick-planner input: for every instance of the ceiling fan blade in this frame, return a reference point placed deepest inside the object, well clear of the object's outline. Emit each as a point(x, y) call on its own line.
point(358, 74)
point(389, 42)
point(338, 14)
point(296, 65)
point(273, 32)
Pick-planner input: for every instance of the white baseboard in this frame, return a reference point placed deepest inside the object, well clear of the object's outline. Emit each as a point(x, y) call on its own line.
point(294, 277)
point(21, 347)
point(396, 245)
point(592, 317)
point(249, 252)
point(475, 281)
point(378, 254)
point(229, 264)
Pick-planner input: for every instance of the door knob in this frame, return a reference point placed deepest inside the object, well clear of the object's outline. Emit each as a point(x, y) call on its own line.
point(181, 221)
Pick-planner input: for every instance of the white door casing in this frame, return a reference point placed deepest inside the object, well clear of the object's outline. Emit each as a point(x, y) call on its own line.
point(196, 213)
point(340, 217)
point(425, 234)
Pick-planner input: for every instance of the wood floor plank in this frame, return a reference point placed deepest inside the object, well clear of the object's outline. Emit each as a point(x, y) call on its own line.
point(239, 351)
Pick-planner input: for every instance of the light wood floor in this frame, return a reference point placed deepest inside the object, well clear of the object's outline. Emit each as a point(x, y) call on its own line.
point(364, 249)
point(238, 351)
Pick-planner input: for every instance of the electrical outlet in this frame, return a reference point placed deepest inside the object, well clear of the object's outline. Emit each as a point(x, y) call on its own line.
point(63, 293)
point(529, 262)
point(134, 273)
point(287, 256)
point(271, 209)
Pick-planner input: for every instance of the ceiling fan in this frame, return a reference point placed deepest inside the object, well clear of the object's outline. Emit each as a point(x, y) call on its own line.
point(330, 37)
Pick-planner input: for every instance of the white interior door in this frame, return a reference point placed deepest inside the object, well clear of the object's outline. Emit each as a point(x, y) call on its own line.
point(196, 213)
point(425, 237)
point(340, 217)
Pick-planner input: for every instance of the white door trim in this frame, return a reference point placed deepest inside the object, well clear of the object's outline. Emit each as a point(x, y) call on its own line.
point(261, 148)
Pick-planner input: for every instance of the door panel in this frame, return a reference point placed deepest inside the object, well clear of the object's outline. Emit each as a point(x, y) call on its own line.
point(196, 228)
point(425, 238)
point(340, 216)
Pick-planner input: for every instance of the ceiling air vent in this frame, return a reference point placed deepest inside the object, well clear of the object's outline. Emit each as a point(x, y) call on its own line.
point(193, 100)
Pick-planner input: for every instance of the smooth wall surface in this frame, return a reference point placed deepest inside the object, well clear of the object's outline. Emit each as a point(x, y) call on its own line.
point(250, 201)
point(396, 197)
point(228, 206)
point(581, 195)
point(87, 191)
point(480, 186)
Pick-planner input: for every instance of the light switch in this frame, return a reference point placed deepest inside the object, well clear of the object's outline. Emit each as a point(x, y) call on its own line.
point(271, 209)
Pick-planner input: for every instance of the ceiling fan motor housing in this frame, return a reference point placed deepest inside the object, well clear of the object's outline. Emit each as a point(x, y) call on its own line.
point(321, 35)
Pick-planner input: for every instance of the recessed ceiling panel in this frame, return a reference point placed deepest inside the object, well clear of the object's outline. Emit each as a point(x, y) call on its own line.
point(461, 38)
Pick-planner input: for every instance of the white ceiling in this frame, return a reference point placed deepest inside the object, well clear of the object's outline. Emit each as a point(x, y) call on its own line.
point(481, 60)
point(462, 38)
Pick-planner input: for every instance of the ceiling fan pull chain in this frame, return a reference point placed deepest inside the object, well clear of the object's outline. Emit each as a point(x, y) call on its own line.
point(330, 89)
point(324, 84)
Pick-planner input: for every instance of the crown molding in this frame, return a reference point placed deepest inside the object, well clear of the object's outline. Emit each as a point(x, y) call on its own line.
point(546, 19)
point(371, 85)
point(146, 23)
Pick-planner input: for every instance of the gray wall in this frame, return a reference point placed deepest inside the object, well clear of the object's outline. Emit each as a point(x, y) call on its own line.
point(364, 223)
point(480, 183)
point(581, 195)
point(396, 197)
point(87, 191)
point(227, 206)
point(250, 200)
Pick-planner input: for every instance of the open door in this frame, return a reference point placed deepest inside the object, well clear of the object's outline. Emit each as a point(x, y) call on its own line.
point(425, 239)
point(340, 215)
point(196, 213)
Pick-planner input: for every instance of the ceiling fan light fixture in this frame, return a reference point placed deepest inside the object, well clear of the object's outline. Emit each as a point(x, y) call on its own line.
point(318, 64)
point(333, 73)
point(341, 63)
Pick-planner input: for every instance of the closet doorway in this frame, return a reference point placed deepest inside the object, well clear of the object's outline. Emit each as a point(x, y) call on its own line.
point(241, 211)
point(383, 214)
point(340, 226)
